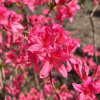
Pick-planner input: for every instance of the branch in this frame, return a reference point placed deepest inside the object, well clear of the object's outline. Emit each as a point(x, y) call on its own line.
point(11, 79)
point(26, 19)
point(92, 25)
point(36, 79)
point(54, 87)
point(94, 10)
point(93, 39)
point(46, 17)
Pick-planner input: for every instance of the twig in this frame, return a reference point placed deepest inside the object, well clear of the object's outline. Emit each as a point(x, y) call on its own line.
point(54, 87)
point(36, 80)
point(1, 79)
point(52, 1)
point(46, 17)
point(3, 74)
point(11, 86)
point(92, 25)
point(72, 33)
point(93, 39)
point(94, 10)
point(26, 19)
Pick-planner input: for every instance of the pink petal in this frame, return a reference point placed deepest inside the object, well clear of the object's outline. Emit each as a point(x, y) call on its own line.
point(71, 19)
point(61, 69)
point(18, 26)
point(92, 97)
point(85, 71)
point(78, 67)
point(33, 48)
point(31, 7)
point(46, 69)
point(4, 22)
point(57, 1)
point(81, 97)
point(73, 61)
point(95, 89)
point(87, 82)
point(78, 87)
point(14, 29)
point(97, 72)
point(69, 67)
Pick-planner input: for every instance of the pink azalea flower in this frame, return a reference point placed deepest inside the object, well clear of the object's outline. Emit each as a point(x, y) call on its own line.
point(33, 3)
point(48, 90)
point(40, 19)
point(11, 39)
point(56, 58)
point(64, 12)
point(10, 57)
point(13, 24)
point(45, 11)
point(52, 46)
point(77, 66)
point(84, 59)
point(35, 19)
point(65, 93)
point(16, 85)
point(33, 59)
point(90, 50)
point(95, 1)
point(87, 90)
point(92, 64)
point(85, 72)
point(96, 73)
point(30, 4)
point(4, 15)
point(22, 97)
point(33, 94)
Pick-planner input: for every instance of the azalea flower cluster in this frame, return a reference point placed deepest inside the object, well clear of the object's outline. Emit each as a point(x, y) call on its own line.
point(51, 45)
point(89, 87)
point(89, 49)
point(30, 3)
point(38, 43)
point(41, 18)
point(16, 85)
point(34, 94)
point(68, 10)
